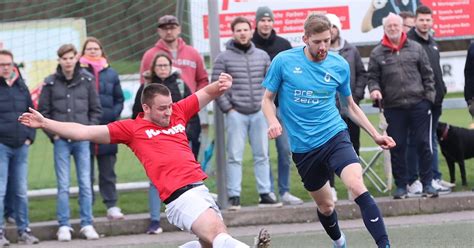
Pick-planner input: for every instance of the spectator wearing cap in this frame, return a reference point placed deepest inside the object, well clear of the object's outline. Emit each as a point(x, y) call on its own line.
point(266, 39)
point(358, 79)
point(190, 65)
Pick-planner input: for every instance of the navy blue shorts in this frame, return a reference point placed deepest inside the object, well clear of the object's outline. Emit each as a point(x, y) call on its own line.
point(316, 166)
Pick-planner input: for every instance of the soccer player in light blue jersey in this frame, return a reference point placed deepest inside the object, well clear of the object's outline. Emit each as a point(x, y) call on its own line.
point(307, 80)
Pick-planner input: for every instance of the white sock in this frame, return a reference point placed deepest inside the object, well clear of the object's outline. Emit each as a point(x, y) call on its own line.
point(191, 244)
point(341, 241)
point(224, 240)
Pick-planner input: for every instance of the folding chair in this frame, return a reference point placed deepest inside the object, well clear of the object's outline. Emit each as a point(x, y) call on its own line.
point(368, 171)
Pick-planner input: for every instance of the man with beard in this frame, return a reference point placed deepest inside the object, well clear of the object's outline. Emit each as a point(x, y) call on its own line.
point(358, 79)
point(401, 77)
point(421, 34)
point(242, 107)
point(307, 80)
point(191, 66)
point(266, 39)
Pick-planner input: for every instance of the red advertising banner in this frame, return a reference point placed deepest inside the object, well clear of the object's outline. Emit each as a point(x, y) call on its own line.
point(452, 17)
point(286, 21)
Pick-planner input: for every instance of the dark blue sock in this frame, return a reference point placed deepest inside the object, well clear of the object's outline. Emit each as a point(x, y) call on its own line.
point(373, 219)
point(330, 224)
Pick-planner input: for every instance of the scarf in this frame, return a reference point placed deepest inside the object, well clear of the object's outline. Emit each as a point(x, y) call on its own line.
point(387, 43)
point(97, 64)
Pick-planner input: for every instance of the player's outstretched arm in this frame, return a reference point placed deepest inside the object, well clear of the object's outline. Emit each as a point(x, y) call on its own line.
point(269, 110)
point(69, 130)
point(357, 116)
point(214, 89)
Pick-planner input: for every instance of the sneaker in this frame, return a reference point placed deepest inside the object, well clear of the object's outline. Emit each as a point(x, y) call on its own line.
point(263, 239)
point(114, 213)
point(3, 240)
point(267, 201)
point(415, 189)
point(429, 191)
point(154, 227)
point(64, 233)
point(289, 199)
point(234, 203)
point(445, 184)
point(27, 238)
point(440, 188)
point(334, 194)
point(400, 193)
point(10, 220)
point(89, 232)
point(343, 245)
point(273, 196)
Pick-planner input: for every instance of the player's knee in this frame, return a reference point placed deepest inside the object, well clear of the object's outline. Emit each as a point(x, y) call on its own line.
point(326, 208)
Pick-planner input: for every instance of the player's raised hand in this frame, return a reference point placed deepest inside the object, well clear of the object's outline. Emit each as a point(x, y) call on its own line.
point(225, 81)
point(33, 119)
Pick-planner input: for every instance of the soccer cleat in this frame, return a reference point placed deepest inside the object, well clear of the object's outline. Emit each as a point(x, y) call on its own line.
point(263, 239)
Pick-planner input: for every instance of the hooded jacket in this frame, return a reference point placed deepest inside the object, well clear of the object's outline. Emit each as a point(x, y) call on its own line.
point(14, 101)
point(71, 101)
point(248, 69)
point(431, 48)
point(188, 60)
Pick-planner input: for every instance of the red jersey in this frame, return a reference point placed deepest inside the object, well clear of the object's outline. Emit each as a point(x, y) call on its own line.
point(164, 152)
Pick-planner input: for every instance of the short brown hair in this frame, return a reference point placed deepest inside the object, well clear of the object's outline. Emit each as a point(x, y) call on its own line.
point(423, 9)
point(6, 52)
point(406, 14)
point(239, 19)
point(66, 48)
point(95, 40)
point(316, 23)
point(151, 90)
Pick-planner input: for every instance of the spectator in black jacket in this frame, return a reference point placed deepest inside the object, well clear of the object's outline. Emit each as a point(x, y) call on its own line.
point(107, 83)
point(161, 72)
point(15, 140)
point(421, 34)
point(358, 81)
point(69, 95)
point(401, 77)
point(266, 39)
point(469, 79)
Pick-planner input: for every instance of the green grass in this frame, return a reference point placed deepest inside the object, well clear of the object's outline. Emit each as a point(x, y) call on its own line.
point(128, 169)
point(125, 66)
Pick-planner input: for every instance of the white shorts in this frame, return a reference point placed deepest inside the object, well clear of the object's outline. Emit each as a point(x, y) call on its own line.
point(183, 211)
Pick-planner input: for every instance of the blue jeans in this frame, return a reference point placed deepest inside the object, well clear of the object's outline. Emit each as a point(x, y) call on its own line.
point(154, 202)
point(239, 127)
point(284, 162)
point(81, 152)
point(412, 156)
point(14, 166)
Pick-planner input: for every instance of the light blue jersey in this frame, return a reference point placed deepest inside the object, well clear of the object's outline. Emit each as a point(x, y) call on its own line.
point(307, 96)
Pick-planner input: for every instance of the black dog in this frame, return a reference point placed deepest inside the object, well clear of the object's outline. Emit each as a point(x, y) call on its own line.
point(457, 144)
